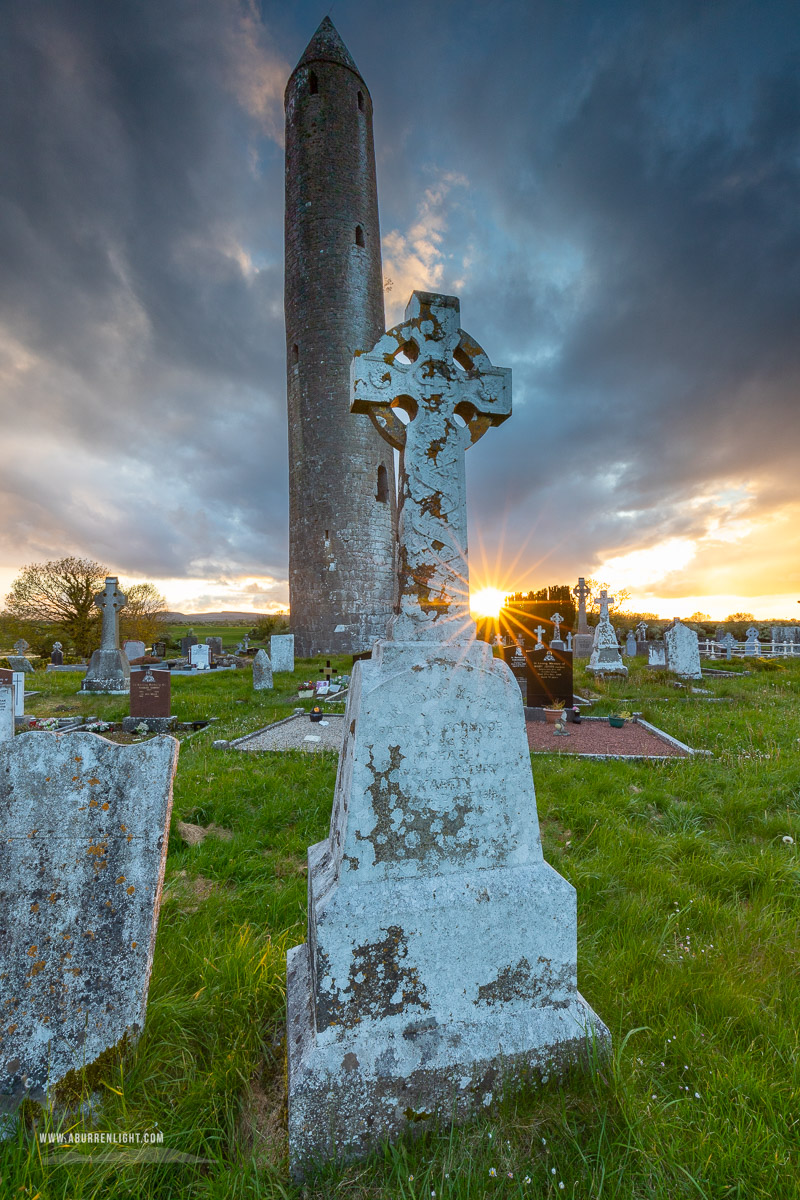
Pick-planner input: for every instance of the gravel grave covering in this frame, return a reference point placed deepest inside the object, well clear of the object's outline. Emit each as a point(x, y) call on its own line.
point(598, 737)
point(298, 733)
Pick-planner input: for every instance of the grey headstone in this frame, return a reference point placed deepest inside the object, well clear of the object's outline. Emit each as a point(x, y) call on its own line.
point(133, 649)
point(682, 650)
point(85, 826)
point(18, 662)
point(262, 672)
point(656, 654)
point(281, 651)
point(214, 644)
point(57, 655)
point(630, 645)
point(187, 643)
point(752, 646)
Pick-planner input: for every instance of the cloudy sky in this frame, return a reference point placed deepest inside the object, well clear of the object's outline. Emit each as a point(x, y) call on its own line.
point(610, 188)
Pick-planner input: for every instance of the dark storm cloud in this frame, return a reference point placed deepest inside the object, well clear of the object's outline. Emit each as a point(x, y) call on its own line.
point(620, 218)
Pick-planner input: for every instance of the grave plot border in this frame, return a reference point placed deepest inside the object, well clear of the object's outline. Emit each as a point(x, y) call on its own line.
point(661, 734)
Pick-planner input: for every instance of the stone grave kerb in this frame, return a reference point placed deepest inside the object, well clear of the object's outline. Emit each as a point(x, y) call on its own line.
point(428, 368)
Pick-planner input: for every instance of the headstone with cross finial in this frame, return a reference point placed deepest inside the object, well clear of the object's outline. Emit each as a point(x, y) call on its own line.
point(557, 643)
point(434, 809)
point(109, 669)
point(605, 658)
point(584, 638)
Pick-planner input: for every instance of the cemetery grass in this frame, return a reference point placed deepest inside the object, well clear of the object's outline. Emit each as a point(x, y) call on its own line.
point(687, 948)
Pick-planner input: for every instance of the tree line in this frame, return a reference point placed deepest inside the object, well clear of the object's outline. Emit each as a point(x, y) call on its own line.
point(54, 601)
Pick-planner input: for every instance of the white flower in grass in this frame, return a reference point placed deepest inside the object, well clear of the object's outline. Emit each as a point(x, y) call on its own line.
point(552, 1170)
point(561, 1185)
point(527, 1179)
point(789, 841)
point(493, 1172)
point(697, 1095)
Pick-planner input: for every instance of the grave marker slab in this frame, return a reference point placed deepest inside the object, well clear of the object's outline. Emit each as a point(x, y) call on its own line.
point(281, 651)
point(187, 643)
point(262, 672)
point(656, 654)
point(20, 663)
point(133, 649)
point(85, 825)
point(6, 710)
point(151, 701)
point(199, 656)
point(57, 655)
point(682, 650)
point(214, 644)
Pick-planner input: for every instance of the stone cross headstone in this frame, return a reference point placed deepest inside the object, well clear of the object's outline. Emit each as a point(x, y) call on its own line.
point(419, 989)
point(605, 658)
point(556, 643)
point(6, 708)
point(57, 654)
point(151, 701)
point(582, 592)
point(281, 651)
point(752, 646)
point(451, 394)
point(85, 825)
point(21, 647)
point(109, 670)
point(569, 642)
point(682, 650)
point(199, 657)
point(539, 631)
point(584, 638)
point(729, 642)
point(262, 672)
point(133, 649)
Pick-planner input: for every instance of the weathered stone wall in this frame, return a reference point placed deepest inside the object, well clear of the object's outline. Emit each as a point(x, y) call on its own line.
point(342, 574)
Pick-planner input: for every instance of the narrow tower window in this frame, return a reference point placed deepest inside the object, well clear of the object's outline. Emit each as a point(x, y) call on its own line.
point(313, 86)
point(295, 353)
point(382, 493)
point(360, 100)
point(359, 236)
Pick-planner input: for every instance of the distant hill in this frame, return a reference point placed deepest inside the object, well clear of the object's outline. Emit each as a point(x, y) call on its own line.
point(216, 618)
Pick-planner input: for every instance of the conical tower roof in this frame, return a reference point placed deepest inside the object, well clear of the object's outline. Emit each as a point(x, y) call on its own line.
point(327, 46)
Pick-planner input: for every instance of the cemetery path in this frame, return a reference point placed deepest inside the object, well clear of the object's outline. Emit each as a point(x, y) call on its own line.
point(598, 737)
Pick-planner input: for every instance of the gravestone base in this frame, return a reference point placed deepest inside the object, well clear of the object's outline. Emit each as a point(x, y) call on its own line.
point(420, 988)
point(582, 645)
point(349, 1095)
point(109, 671)
point(154, 724)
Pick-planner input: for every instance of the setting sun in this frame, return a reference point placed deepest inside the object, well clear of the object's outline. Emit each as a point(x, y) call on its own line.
point(487, 602)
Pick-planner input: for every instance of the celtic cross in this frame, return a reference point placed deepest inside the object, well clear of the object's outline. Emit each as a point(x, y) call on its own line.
point(430, 370)
point(110, 601)
point(557, 618)
point(582, 593)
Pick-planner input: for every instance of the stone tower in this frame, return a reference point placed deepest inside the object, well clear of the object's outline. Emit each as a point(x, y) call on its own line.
point(342, 510)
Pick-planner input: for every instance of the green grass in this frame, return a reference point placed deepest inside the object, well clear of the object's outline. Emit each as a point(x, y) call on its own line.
point(687, 947)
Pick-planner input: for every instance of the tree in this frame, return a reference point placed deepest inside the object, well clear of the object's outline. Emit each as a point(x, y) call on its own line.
point(740, 617)
point(142, 618)
point(267, 625)
point(59, 593)
point(699, 617)
point(620, 595)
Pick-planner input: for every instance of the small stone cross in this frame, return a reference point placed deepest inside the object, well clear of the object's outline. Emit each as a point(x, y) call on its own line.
point(450, 393)
point(21, 646)
point(539, 630)
point(110, 601)
point(557, 619)
point(604, 601)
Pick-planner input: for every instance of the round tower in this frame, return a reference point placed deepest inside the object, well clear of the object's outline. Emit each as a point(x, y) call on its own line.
point(342, 517)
